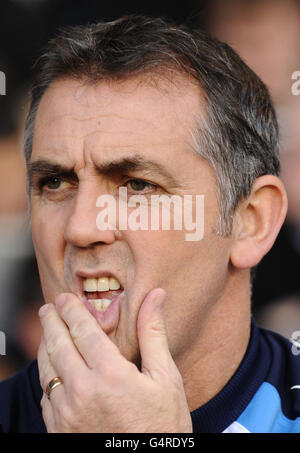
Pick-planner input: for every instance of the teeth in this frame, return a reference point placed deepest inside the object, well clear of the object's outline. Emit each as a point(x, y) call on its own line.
point(103, 284)
point(100, 284)
point(100, 304)
point(114, 284)
point(90, 284)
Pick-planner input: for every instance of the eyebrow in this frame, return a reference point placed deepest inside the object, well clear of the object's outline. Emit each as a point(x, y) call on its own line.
point(111, 169)
point(44, 168)
point(135, 164)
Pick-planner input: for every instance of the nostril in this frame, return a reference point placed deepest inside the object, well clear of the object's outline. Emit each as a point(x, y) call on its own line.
point(81, 228)
point(84, 235)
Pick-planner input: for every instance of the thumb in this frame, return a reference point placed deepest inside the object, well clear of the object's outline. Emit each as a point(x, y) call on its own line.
point(152, 337)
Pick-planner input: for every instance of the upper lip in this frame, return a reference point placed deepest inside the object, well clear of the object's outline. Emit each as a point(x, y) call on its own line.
point(80, 275)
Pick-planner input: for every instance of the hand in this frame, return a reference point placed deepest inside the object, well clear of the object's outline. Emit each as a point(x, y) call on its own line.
point(102, 391)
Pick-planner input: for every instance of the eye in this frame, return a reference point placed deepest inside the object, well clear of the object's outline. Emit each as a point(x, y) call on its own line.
point(139, 185)
point(57, 188)
point(52, 183)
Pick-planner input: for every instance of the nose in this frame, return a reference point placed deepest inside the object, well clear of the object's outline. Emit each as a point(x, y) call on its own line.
point(81, 228)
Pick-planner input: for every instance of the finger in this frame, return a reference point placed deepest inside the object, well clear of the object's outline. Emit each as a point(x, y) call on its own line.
point(155, 354)
point(94, 345)
point(62, 353)
point(48, 414)
point(47, 372)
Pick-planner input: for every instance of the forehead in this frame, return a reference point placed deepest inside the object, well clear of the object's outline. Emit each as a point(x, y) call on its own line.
point(116, 114)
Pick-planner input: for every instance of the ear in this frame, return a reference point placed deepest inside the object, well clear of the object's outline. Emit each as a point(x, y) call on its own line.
point(257, 221)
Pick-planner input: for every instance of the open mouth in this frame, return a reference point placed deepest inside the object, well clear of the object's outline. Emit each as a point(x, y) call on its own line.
point(101, 292)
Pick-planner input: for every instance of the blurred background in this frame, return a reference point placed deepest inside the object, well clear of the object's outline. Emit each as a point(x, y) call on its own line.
point(266, 33)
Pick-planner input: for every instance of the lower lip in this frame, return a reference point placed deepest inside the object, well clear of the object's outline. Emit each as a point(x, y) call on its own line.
point(109, 318)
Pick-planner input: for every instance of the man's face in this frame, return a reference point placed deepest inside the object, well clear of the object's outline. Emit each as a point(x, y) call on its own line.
point(86, 129)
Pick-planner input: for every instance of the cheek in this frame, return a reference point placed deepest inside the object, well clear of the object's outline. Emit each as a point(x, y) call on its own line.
point(47, 234)
point(152, 250)
point(164, 259)
point(192, 273)
point(47, 231)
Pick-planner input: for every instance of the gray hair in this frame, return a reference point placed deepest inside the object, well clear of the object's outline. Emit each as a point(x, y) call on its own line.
point(238, 136)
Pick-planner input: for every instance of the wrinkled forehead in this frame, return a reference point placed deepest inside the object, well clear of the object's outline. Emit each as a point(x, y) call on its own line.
point(80, 125)
point(132, 110)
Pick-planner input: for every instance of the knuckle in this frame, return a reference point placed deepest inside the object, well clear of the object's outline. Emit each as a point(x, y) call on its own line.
point(66, 308)
point(54, 343)
point(79, 329)
point(64, 415)
point(43, 380)
point(44, 413)
point(114, 376)
point(79, 391)
point(110, 373)
point(43, 402)
point(126, 373)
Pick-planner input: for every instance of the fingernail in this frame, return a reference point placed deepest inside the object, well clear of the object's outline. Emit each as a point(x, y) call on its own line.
point(43, 310)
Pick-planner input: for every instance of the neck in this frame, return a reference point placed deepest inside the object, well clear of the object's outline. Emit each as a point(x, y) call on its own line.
point(222, 343)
